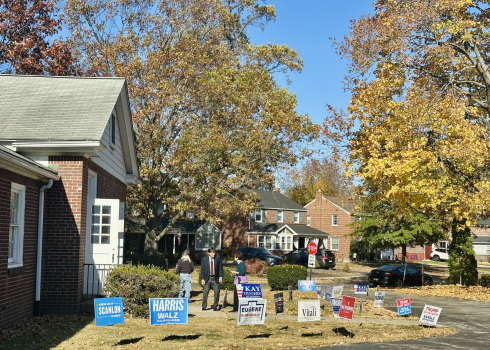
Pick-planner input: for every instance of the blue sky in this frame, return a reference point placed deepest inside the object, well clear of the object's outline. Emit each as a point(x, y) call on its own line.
point(306, 26)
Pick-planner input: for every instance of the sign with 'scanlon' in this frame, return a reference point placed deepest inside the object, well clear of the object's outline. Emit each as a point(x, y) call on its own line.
point(251, 311)
point(309, 310)
point(306, 286)
point(168, 311)
point(430, 314)
point(108, 311)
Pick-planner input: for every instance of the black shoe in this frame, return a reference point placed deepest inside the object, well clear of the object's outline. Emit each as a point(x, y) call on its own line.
point(203, 309)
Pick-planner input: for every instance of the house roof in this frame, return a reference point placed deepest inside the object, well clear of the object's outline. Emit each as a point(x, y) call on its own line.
point(56, 108)
point(483, 222)
point(19, 164)
point(299, 229)
point(275, 200)
point(481, 239)
point(343, 203)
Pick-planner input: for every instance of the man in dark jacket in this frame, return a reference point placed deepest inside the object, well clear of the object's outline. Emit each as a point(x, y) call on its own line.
point(211, 276)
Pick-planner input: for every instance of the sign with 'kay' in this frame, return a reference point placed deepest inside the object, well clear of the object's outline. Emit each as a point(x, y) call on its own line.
point(361, 289)
point(404, 306)
point(379, 299)
point(430, 315)
point(251, 311)
point(168, 311)
point(336, 304)
point(251, 291)
point(108, 311)
point(306, 286)
point(309, 310)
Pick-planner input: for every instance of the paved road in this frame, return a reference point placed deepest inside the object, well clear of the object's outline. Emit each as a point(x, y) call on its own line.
point(470, 318)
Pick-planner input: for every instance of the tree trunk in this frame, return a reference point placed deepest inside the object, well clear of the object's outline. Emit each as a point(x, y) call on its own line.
point(151, 243)
point(404, 253)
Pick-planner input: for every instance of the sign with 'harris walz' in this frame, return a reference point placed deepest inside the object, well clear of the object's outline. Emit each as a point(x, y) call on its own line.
point(251, 291)
point(168, 311)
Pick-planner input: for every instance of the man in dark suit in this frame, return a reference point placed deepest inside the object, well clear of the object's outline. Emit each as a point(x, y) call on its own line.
point(211, 276)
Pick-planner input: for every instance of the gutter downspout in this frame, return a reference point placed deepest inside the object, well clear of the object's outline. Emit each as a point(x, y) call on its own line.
point(37, 302)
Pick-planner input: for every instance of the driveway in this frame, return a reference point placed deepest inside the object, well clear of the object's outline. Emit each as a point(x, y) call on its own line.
point(470, 318)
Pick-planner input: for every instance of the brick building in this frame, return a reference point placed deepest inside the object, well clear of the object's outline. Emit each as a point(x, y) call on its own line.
point(76, 135)
point(332, 215)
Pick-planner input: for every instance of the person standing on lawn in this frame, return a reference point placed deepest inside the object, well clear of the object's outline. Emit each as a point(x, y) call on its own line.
point(184, 269)
point(211, 276)
point(240, 277)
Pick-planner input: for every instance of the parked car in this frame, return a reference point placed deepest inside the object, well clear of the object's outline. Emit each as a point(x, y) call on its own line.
point(393, 275)
point(325, 257)
point(439, 254)
point(260, 253)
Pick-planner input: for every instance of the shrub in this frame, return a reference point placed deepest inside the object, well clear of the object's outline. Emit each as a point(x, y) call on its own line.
point(280, 277)
point(228, 279)
point(255, 266)
point(346, 268)
point(137, 284)
point(485, 280)
point(317, 265)
point(158, 260)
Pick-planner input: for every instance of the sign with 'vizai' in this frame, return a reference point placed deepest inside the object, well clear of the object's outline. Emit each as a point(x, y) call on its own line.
point(309, 310)
point(168, 311)
point(251, 291)
point(108, 311)
point(306, 286)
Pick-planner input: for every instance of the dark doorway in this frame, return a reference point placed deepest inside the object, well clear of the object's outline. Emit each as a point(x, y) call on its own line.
point(301, 242)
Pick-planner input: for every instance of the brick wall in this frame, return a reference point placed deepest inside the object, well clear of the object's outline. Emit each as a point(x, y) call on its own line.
point(321, 212)
point(233, 233)
point(271, 217)
point(17, 289)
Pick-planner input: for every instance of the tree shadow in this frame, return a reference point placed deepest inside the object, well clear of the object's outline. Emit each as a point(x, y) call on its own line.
point(312, 334)
point(128, 341)
point(182, 337)
point(343, 332)
point(252, 336)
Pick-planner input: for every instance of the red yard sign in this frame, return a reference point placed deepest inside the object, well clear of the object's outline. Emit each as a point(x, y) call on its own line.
point(312, 248)
point(347, 308)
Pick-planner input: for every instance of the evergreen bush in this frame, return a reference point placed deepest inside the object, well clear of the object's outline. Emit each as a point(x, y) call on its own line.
point(462, 263)
point(346, 268)
point(280, 277)
point(137, 284)
point(485, 280)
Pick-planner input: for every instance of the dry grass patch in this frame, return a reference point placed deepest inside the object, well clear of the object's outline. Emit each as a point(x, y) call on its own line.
point(452, 291)
point(200, 333)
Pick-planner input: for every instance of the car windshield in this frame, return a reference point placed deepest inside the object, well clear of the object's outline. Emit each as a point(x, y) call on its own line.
point(387, 268)
point(263, 251)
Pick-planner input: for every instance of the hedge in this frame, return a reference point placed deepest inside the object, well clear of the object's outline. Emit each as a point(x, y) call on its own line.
point(280, 277)
point(485, 280)
point(157, 259)
point(137, 284)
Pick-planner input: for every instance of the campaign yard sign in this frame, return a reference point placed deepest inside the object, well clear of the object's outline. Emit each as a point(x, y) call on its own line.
point(347, 307)
point(306, 286)
point(279, 303)
point(251, 311)
point(379, 299)
point(108, 311)
point(404, 307)
point(168, 311)
point(361, 289)
point(336, 304)
point(337, 291)
point(319, 290)
point(309, 310)
point(328, 293)
point(251, 291)
point(430, 314)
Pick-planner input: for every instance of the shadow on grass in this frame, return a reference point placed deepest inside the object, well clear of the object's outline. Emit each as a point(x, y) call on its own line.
point(252, 336)
point(343, 332)
point(182, 337)
point(128, 341)
point(312, 334)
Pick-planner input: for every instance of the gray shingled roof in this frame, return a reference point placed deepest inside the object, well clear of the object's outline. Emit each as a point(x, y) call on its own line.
point(481, 239)
point(4, 149)
point(275, 200)
point(300, 229)
point(47, 108)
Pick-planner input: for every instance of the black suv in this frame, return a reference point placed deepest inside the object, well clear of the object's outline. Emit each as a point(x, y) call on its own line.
point(260, 253)
point(325, 257)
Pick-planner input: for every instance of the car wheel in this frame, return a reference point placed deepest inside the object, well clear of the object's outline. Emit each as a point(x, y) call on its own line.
point(436, 258)
point(428, 282)
point(399, 283)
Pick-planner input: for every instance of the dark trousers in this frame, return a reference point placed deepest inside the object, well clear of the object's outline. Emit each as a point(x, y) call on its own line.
point(235, 300)
point(211, 283)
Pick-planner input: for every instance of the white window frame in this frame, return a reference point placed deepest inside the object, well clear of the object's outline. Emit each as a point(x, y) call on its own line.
point(335, 220)
point(284, 242)
point(332, 244)
point(282, 215)
point(296, 217)
point(266, 241)
point(261, 213)
point(308, 220)
point(18, 240)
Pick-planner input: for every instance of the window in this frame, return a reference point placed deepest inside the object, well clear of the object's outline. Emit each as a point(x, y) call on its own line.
point(208, 236)
point(335, 220)
point(16, 228)
point(357, 218)
point(334, 243)
point(189, 215)
point(101, 224)
point(113, 129)
point(308, 220)
point(295, 217)
point(258, 215)
point(284, 242)
point(279, 216)
point(260, 241)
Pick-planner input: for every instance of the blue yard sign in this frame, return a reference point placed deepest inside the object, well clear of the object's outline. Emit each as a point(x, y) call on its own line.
point(251, 291)
point(336, 304)
point(404, 307)
point(108, 311)
point(361, 289)
point(306, 286)
point(168, 311)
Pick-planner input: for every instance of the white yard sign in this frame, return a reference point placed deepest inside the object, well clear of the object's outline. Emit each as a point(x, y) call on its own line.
point(251, 311)
point(379, 299)
point(309, 310)
point(337, 291)
point(430, 315)
point(311, 260)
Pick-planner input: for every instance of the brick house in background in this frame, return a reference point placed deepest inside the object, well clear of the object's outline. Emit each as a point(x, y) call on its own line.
point(78, 132)
point(332, 215)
